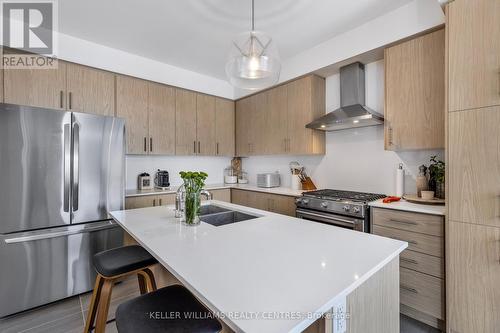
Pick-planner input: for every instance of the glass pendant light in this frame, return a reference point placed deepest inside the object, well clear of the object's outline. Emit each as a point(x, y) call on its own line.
point(253, 60)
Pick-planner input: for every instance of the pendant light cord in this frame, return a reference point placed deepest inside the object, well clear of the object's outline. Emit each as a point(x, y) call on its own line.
point(253, 16)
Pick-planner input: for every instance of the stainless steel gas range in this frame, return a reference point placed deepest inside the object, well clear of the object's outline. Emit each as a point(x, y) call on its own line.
point(340, 208)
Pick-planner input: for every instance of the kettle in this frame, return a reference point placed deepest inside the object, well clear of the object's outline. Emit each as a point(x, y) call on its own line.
point(162, 180)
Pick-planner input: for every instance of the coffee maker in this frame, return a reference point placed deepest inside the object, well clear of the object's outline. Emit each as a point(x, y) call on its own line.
point(161, 180)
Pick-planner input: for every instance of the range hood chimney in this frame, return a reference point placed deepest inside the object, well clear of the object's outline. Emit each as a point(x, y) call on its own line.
point(352, 112)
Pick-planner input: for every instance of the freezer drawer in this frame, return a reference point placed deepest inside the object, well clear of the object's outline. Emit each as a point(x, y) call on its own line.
point(43, 266)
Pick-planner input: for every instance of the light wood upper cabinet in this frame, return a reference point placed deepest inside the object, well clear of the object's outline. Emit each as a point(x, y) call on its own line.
point(205, 124)
point(161, 105)
point(414, 93)
point(473, 271)
point(474, 54)
point(90, 90)
point(224, 127)
point(185, 123)
point(132, 104)
point(273, 121)
point(473, 166)
point(35, 87)
point(244, 108)
point(1, 75)
point(277, 121)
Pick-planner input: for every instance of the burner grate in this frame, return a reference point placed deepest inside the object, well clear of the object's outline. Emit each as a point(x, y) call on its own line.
point(345, 195)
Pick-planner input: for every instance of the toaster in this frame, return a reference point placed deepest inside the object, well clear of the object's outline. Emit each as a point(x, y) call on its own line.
point(271, 179)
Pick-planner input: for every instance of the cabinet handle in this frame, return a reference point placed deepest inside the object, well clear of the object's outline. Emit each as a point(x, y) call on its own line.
point(404, 222)
point(217, 148)
point(70, 95)
point(145, 144)
point(199, 149)
point(61, 99)
point(411, 261)
point(288, 145)
point(390, 137)
point(154, 202)
point(151, 144)
point(194, 147)
point(410, 289)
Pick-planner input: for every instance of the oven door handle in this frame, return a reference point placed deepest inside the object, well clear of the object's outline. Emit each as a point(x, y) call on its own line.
point(329, 218)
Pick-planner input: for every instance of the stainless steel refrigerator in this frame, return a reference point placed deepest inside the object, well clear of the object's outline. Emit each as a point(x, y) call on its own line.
point(60, 175)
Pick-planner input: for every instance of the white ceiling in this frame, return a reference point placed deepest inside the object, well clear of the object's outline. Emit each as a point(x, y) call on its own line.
point(196, 34)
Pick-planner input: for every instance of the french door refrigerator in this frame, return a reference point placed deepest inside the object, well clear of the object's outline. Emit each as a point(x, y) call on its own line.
point(60, 175)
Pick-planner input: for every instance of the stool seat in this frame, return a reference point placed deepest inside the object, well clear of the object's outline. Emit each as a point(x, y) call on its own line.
point(122, 260)
point(165, 310)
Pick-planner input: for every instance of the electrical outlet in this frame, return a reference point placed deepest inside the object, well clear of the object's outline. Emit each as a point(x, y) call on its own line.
point(339, 312)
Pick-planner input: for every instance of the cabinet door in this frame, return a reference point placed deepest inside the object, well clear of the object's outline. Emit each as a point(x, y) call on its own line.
point(139, 202)
point(90, 90)
point(185, 123)
point(224, 127)
point(414, 93)
point(243, 126)
point(222, 195)
point(473, 272)
point(282, 204)
point(258, 123)
point(161, 105)
point(165, 200)
point(473, 166)
point(35, 87)
point(306, 102)
point(132, 104)
point(205, 124)
point(277, 121)
point(474, 54)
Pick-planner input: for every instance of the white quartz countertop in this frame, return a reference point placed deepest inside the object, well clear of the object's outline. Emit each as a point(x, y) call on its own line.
point(411, 207)
point(274, 190)
point(252, 270)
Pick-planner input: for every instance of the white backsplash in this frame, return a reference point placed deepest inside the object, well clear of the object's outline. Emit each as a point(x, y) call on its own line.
point(213, 166)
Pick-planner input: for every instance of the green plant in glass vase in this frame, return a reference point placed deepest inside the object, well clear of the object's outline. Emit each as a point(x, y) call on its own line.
point(193, 183)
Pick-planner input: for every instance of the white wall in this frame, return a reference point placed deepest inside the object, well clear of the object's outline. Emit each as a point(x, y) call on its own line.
point(214, 166)
point(355, 159)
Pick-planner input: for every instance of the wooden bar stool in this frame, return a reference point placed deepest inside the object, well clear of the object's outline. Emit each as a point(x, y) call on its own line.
point(111, 266)
point(169, 309)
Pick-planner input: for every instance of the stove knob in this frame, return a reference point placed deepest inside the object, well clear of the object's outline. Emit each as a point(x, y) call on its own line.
point(298, 200)
point(347, 208)
point(356, 210)
point(324, 204)
point(305, 201)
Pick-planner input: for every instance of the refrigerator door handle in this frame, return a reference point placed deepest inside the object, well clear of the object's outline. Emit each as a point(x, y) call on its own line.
point(35, 236)
point(76, 172)
point(67, 166)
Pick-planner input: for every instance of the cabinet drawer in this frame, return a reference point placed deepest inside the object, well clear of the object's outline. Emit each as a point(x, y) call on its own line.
point(416, 242)
point(423, 263)
point(422, 223)
point(422, 292)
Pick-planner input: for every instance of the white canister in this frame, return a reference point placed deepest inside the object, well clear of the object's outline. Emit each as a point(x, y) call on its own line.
point(296, 184)
point(400, 180)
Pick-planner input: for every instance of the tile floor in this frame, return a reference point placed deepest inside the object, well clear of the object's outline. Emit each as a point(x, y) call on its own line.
point(68, 316)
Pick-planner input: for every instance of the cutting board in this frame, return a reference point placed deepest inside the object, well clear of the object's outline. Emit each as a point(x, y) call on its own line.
point(416, 199)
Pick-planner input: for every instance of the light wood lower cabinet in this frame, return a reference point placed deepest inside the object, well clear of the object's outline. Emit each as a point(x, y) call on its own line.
point(422, 278)
point(35, 87)
point(473, 278)
point(281, 204)
point(414, 93)
point(90, 90)
point(221, 195)
point(149, 201)
point(473, 166)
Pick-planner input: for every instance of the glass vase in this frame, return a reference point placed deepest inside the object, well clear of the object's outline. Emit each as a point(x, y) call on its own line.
point(192, 208)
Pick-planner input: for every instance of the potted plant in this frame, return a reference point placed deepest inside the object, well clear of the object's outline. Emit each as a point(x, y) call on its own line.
point(436, 177)
point(193, 184)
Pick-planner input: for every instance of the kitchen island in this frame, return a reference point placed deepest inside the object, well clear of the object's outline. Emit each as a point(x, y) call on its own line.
point(276, 273)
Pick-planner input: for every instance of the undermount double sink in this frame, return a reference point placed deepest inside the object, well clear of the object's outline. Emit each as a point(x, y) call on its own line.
point(219, 216)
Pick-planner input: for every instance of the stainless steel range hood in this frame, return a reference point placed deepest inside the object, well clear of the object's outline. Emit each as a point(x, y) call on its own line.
point(352, 112)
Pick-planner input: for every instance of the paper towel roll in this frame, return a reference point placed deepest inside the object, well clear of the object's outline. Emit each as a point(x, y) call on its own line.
point(400, 180)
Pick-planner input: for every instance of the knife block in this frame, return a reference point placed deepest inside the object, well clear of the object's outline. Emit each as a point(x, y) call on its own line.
point(308, 185)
